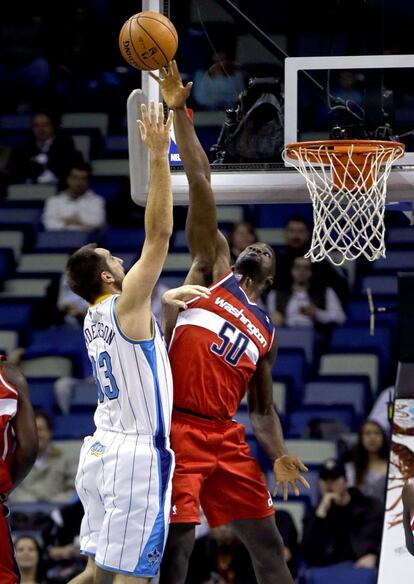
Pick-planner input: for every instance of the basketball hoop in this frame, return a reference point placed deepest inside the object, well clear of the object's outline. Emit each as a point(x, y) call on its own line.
point(347, 182)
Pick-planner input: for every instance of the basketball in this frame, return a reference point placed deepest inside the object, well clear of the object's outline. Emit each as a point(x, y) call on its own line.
point(148, 41)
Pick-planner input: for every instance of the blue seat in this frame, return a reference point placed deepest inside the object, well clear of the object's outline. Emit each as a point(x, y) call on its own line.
point(359, 337)
point(300, 420)
point(60, 241)
point(336, 391)
point(180, 241)
point(395, 261)
point(242, 417)
point(297, 338)
point(291, 364)
point(17, 317)
point(123, 239)
point(400, 236)
point(62, 342)
point(42, 394)
point(385, 285)
point(25, 220)
point(85, 397)
point(106, 187)
point(343, 573)
point(7, 264)
point(73, 426)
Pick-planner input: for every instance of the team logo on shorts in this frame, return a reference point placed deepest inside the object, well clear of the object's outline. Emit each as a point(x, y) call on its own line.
point(97, 449)
point(154, 557)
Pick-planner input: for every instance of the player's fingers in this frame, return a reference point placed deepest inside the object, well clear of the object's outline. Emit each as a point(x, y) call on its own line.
point(153, 114)
point(180, 304)
point(188, 88)
point(285, 490)
point(295, 488)
point(201, 289)
point(144, 113)
point(169, 121)
point(174, 68)
point(160, 115)
point(304, 482)
point(142, 130)
point(276, 488)
point(300, 465)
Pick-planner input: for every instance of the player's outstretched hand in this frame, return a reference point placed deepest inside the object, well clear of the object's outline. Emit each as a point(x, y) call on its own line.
point(173, 91)
point(178, 296)
point(154, 132)
point(287, 469)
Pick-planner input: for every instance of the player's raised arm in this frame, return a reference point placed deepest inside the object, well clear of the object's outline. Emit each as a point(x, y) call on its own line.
point(134, 305)
point(201, 227)
point(268, 430)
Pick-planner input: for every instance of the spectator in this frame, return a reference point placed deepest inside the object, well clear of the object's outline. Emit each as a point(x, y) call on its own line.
point(306, 303)
point(77, 208)
point(345, 526)
point(241, 235)
point(53, 475)
point(46, 158)
point(72, 306)
point(220, 85)
point(382, 409)
point(298, 234)
point(368, 468)
point(62, 543)
point(28, 558)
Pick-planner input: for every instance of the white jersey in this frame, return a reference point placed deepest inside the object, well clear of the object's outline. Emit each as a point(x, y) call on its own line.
point(133, 378)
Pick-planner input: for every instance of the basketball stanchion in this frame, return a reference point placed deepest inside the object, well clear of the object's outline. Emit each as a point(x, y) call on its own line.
point(347, 183)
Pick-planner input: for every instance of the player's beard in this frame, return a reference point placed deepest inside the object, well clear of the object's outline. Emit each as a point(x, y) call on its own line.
point(249, 266)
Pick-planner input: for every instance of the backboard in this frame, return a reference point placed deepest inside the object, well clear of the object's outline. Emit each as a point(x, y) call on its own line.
point(259, 54)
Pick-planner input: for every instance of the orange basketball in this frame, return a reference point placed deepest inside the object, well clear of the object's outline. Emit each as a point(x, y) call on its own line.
point(148, 40)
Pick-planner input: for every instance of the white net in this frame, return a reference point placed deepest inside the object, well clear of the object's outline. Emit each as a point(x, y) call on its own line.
point(347, 182)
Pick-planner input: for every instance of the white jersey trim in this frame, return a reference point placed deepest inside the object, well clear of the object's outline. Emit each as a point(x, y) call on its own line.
point(8, 407)
point(214, 323)
point(7, 384)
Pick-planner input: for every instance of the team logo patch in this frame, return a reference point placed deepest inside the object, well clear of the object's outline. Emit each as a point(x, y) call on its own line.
point(97, 449)
point(154, 557)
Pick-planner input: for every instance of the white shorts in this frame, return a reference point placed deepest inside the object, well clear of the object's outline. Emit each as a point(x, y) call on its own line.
point(124, 483)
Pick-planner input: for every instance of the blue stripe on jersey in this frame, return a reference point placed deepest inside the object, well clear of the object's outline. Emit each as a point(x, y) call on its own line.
point(149, 562)
point(123, 335)
point(149, 350)
point(232, 286)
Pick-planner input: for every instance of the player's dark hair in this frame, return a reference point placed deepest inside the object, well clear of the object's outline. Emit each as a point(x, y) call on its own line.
point(83, 272)
point(82, 166)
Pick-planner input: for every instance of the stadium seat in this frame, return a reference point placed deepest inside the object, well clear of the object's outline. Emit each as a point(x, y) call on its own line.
point(312, 452)
point(16, 122)
point(384, 285)
point(42, 263)
point(30, 288)
point(351, 364)
point(400, 236)
point(12, 240)
point(297, 338)
point(230, 214)
point(7, 264)
point(300, 421)
point(17, 317)
point(110, 167)
point(279, 390)
point(272, 236)
point(108, 186)
point(338, 392)
point(395, 261)
point(47, 367)
point(343, 573)
point(118, 239)
point(278, 215)
point(84, 398)
point(62, 241)
point(291, 364)
point(180, 241)
point(117, 144)
point(29, 192)
point(83, 145)
point(8, 341)
point(359, 338)
point(42, 394)
point(73, 426)
point(177, 262)
point(86, 120)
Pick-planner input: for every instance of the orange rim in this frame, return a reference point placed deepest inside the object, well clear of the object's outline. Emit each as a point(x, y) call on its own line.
point(324, 148)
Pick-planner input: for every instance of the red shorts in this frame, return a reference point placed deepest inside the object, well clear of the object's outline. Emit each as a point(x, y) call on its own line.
point(9, 572)
point(215, 470)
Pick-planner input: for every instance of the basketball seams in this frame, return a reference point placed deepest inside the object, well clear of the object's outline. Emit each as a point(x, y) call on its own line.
point(155, 43)
point(132, 41)
point(172, 31)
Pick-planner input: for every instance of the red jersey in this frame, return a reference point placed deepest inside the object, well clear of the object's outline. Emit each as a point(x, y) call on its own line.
point(215, 348)
point(8, 409)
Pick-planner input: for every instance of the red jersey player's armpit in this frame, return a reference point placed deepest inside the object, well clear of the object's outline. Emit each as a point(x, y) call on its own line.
point(5, 478)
